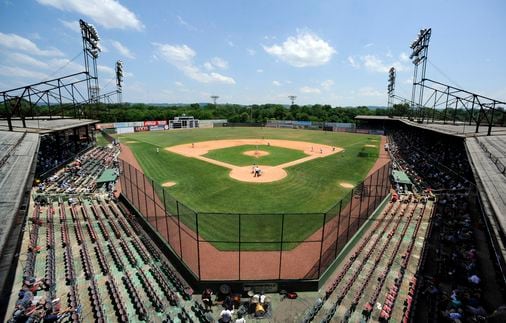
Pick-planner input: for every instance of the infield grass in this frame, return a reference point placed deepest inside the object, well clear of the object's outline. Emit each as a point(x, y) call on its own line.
point(236, 156)
point(309, 190)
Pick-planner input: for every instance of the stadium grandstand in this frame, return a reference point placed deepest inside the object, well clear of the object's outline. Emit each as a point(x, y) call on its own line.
point(78, 244)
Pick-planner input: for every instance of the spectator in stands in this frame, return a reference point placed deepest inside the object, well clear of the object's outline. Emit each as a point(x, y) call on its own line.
point(439, 165)
point(207, 295)
point(228, 303)
point(226, 315)
point(240, 318)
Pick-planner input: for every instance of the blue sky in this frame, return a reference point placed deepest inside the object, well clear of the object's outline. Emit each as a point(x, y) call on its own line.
point(328, 52)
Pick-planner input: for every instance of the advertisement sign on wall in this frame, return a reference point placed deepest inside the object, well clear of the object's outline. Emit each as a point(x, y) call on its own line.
point(157, 128)
point(104, 125)
point(155, 123)
point(139, 129)
point(125, 130)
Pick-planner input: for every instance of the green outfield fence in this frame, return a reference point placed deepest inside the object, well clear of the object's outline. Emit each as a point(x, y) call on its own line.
point(217, 252)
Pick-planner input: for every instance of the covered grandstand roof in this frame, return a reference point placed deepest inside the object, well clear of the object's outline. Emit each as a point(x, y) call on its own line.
point(44, 125)
point(487, 156)
point(460, 129)
point(17, 151)
point(17, 162)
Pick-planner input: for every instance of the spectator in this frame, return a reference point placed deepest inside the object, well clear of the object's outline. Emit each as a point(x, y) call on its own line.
point(240, 319)
point(207, 295)
point(226, 315)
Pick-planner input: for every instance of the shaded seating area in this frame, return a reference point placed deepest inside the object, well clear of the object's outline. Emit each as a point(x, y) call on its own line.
point(449, 283)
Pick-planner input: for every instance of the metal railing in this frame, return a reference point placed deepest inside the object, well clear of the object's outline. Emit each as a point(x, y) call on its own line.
point(236, 246)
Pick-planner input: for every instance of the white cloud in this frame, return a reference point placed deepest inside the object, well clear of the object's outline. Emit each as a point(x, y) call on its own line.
point(368, 45)
point(122, 49)
point(208, 66)
point(327, 84)
point(260, 70)
point(64, 65)
point(184, 23)
point(404, 57)
point(72, 25)
point(52, 65)
point(230, 43)
point(305, 49)
point(175, 53)
point(17, 42)
point(370, 92)
point(177, 83)
point(251, 52)
point(277, 83)
point(353, 62)
point(34, 36)
point(105, 70)
point(374, 64)
point(309, 90)
point(108, 13)
point(219, 62)
point(181, 56)
point(18, 72)
point(23, 59)
point(216, 62)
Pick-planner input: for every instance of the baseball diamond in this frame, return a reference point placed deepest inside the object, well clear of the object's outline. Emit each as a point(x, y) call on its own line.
point(250, 216)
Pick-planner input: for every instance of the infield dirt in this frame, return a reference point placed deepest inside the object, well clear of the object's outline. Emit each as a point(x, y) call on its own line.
point(244, 173)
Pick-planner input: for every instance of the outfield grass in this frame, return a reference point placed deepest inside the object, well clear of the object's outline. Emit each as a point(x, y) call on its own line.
point(235, 155)
point(310, 187)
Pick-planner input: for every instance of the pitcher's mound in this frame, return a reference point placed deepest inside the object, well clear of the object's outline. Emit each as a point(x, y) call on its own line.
point(256, 153)
point(269, 174)
point(168, 184)
point(346, 185)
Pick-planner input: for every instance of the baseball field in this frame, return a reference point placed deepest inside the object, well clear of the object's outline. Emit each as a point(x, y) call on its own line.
point(212, 171)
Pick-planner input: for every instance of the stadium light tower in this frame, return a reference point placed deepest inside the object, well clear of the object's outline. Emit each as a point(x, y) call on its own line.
point(119, 80)
point(215, 97)
point(91, 49)
point(420, 50)
point(391, 87)
point(292, 98)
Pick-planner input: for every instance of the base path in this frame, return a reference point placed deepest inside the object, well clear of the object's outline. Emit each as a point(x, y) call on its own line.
point(244, 173)
point(384, 156)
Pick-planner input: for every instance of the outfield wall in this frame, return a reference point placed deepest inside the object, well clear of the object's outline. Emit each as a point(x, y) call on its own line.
point(241, 256)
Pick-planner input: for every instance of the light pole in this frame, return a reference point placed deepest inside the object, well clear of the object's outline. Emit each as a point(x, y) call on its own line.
point(292, 99)
point(91, 49)
point(391, 86)
point(215, 97)
point(119, 79)
point(420, 47)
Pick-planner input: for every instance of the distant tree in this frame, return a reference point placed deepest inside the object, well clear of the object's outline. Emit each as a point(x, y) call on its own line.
point(243, 117)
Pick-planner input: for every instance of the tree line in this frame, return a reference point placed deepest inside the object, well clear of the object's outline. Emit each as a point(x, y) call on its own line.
point(235, 113)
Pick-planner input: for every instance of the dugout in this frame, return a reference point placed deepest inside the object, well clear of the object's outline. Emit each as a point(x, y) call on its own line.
point(401, 181)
